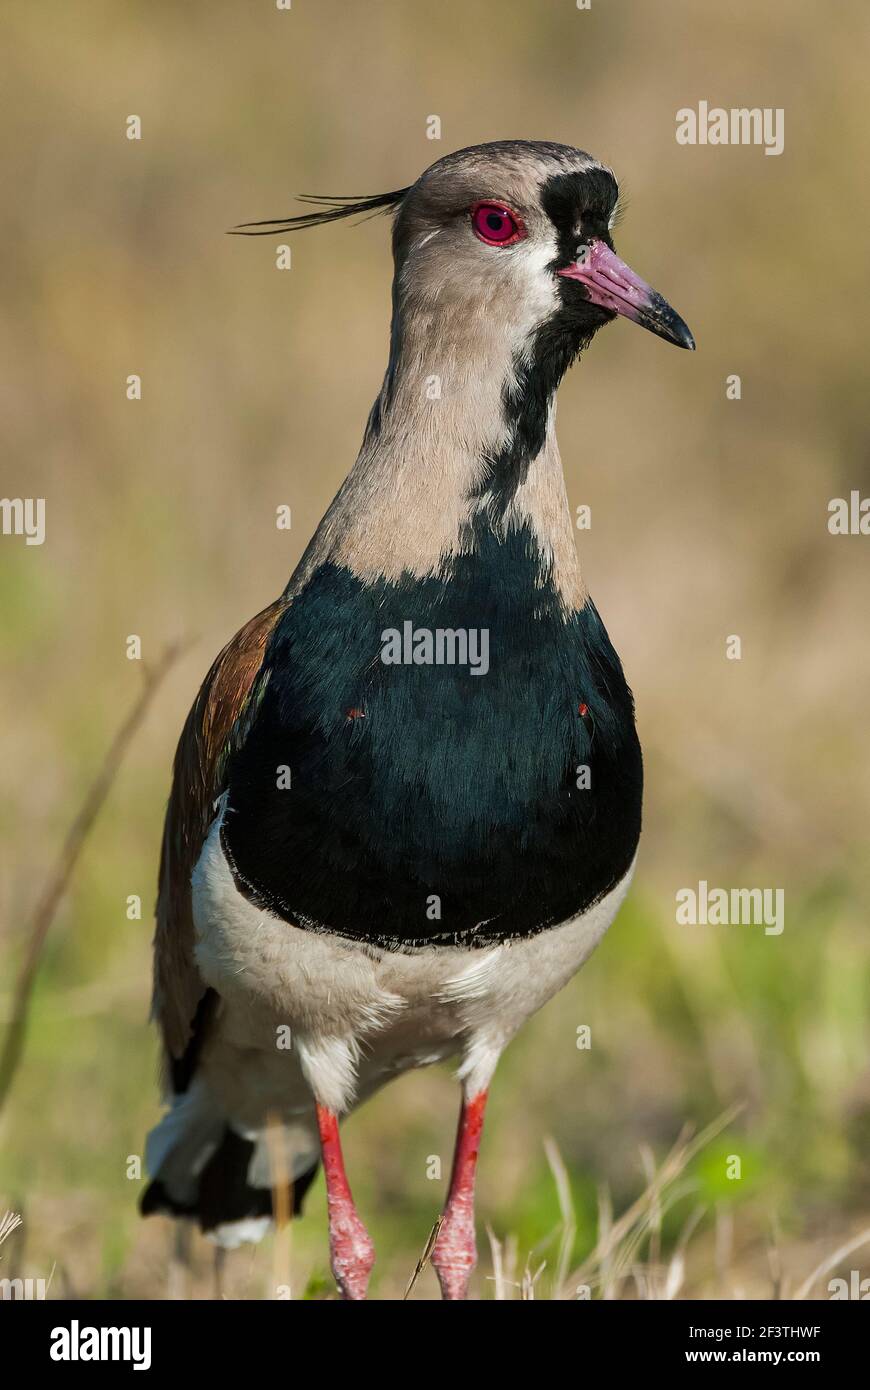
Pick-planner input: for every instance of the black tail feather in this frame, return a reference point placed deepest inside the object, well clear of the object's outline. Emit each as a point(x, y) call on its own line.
point(224, 1194)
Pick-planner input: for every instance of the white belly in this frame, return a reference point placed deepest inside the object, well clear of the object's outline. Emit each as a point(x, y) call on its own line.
point(359, 1014)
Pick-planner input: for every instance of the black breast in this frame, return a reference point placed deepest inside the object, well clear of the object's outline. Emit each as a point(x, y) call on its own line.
point(425, 803)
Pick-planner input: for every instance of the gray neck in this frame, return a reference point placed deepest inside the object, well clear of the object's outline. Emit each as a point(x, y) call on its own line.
point(425, 472)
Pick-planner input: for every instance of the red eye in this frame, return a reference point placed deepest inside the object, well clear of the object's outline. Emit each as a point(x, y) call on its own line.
point(496, 225)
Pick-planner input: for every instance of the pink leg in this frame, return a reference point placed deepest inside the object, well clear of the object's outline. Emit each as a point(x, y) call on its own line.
point(350, 1246)
point(455, 1252)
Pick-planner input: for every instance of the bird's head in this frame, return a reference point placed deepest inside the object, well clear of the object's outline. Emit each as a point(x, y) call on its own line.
point(510, 239)
point(522, 231)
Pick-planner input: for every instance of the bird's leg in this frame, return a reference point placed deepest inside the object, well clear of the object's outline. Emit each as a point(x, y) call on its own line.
point(350, 1247)
point(218, 1270)
point(455, 1252)
point(178, 1286)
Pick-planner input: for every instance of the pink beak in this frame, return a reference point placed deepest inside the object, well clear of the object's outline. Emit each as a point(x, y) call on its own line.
point(613, 285)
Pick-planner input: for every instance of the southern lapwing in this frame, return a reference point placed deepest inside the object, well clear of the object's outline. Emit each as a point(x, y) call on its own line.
point(407, 800)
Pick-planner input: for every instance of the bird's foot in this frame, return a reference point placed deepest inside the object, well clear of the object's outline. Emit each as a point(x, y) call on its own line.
point(454, 1254)
point(351, 1250)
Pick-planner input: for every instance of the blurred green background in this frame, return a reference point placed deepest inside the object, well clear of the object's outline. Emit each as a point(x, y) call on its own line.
point(709, 518)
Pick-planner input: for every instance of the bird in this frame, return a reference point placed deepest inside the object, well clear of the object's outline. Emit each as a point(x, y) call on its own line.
point(406, 802)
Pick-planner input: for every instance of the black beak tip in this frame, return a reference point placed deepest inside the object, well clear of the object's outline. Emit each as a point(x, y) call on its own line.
point(665, 322)
point(674, 329)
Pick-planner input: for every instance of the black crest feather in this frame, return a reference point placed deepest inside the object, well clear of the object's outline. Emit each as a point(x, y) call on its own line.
point(331, 209)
